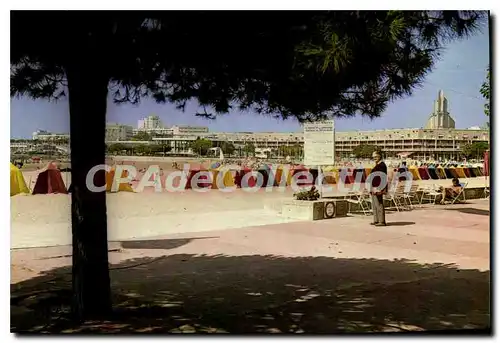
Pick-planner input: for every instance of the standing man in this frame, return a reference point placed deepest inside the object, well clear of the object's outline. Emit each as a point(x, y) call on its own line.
point(378, 187)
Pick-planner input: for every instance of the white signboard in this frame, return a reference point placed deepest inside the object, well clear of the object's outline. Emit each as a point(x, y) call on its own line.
point(319, 143)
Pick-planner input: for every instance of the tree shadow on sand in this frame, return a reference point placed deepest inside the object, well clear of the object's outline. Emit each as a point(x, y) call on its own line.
point(264, 294)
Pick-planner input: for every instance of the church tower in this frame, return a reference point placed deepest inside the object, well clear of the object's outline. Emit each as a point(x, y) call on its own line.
point(440, 118)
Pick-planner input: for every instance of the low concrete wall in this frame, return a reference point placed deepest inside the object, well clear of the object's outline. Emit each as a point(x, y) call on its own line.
point(313, 210)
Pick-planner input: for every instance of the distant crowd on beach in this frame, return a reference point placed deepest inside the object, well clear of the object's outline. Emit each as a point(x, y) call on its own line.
point(256, 163)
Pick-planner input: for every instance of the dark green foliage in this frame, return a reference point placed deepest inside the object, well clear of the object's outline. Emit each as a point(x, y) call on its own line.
point(365, 150)
point(307, 194)
point(116, 148)
point(249, 149)
point(485, 92)
point(227, 148)
point(303, 64)
point(475, 150)
point(201, 146)
point(142, 136)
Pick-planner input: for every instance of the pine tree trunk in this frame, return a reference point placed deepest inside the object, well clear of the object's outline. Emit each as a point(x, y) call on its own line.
point(88, 89)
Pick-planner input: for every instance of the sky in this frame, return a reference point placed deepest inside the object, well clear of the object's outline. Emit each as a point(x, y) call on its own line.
point(459, 73)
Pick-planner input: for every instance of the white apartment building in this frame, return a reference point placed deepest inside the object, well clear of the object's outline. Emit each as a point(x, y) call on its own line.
point(179, 130)
point(43, 135)
point(118, 132)
point(149, 122)
point(163, 131)
point(438, 140)
point(416, 143)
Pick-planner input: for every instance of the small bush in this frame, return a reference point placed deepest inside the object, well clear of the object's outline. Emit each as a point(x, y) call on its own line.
point(308, 195)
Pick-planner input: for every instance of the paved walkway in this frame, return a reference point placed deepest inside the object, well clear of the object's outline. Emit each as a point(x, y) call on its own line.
point(457, 234)
point(427, 270)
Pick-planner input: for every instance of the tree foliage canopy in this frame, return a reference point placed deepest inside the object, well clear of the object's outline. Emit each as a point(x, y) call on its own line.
point(116, 148)
point(227, 148)
point(475, 150)
point(142, 136)
point(485, 92)
point(201, 146)
point(303, 64)
point(249, 149)
point(364, 150)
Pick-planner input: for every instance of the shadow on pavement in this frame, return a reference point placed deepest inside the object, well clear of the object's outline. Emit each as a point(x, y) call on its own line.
point(159, 243)
point(400, 223)
point(264, 294)
point(471, 210)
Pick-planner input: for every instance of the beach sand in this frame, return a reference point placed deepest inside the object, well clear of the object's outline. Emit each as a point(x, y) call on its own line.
point(44, 220)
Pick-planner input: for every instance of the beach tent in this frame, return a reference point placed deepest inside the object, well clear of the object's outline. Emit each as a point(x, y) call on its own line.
point(423, 173)
point(478, 172)
point(123, 187)
point(204, 178)
point(251, 181)
point(226, 179)
point(314, 173)
point(474, 172)
point(466, 171)
point(347, 174)
point(163, 181)
point(414, 172)
point(460, 172)
point(17, 183)
point(433, 173)
point(449, 173)
point(358, 171)
point(330, 175)
point(50, 181)
point(265, 171)
point(471, 172)
point(441, 173)
point(294, 171)
point(278, 175)
point(368, 170)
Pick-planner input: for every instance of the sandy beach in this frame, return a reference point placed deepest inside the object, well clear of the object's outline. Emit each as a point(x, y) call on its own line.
point(44, 220)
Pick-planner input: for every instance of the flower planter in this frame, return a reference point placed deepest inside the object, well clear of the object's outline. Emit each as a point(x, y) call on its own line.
point(314, 210)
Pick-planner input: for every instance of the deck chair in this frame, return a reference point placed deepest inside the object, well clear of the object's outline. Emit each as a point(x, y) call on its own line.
point(362, 199)
point(396, 196)
point(410, 195)
point(430, 194)
point(460, 196)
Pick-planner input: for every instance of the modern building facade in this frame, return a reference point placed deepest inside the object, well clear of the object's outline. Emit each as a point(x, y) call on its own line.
point(424, 144)
point(149, 122)
point(153, 126)
point(118, 132)
point(43, 135)
point(162, 131)
point(438, 140)
point(189, 130)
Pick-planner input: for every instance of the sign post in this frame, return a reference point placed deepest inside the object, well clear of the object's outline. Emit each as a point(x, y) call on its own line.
point(319, 145)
